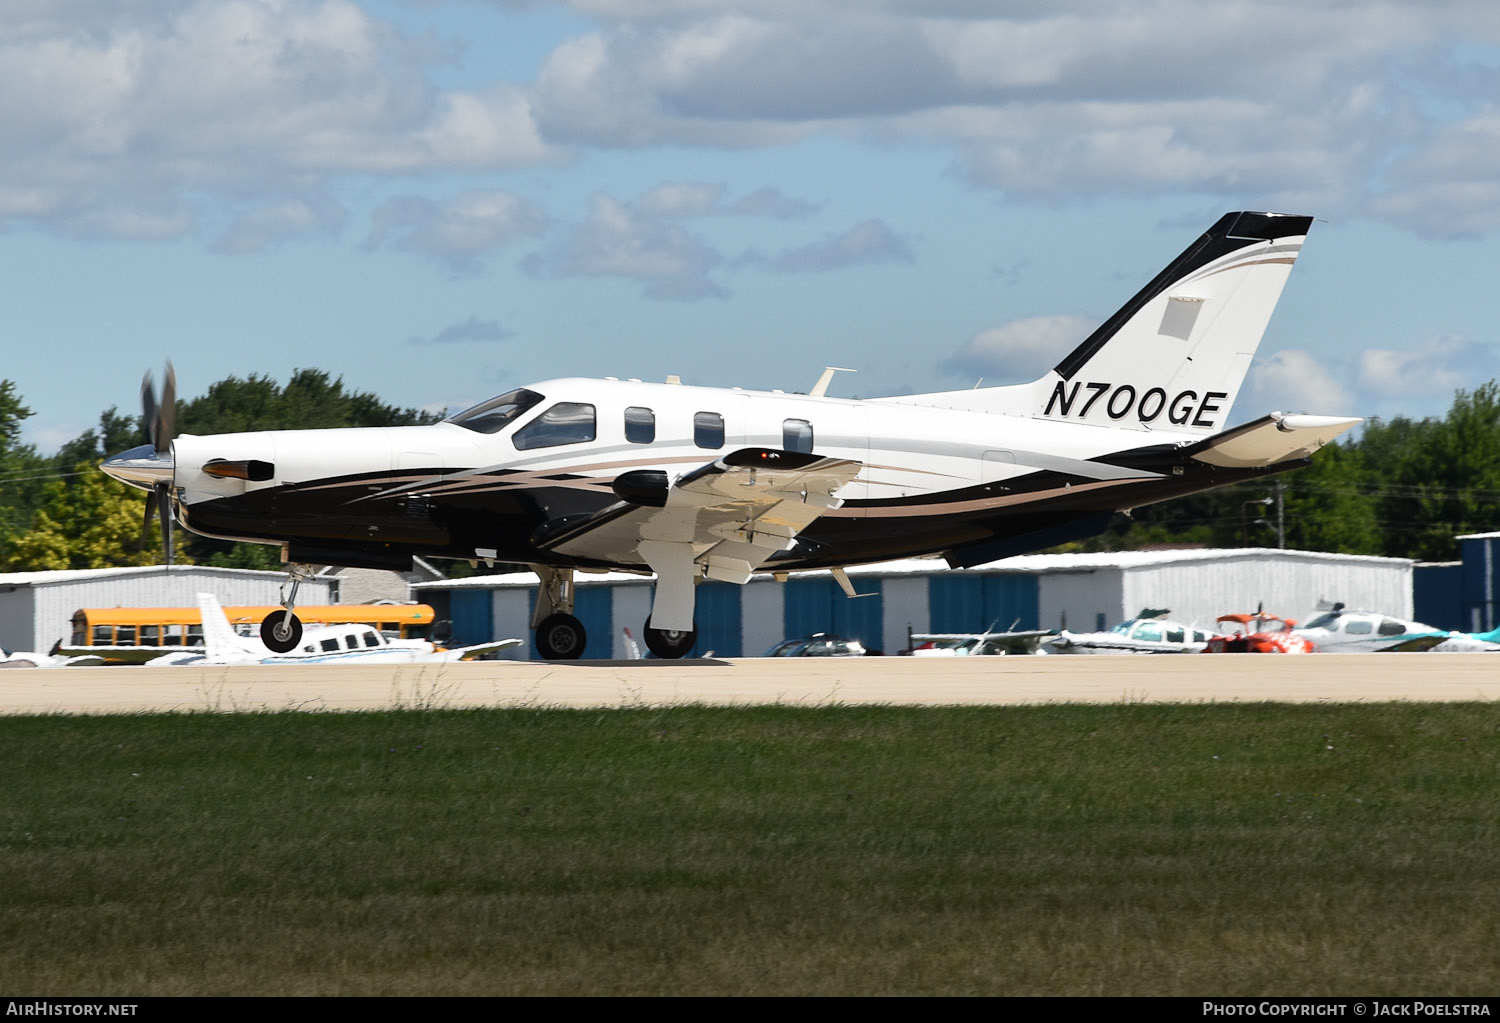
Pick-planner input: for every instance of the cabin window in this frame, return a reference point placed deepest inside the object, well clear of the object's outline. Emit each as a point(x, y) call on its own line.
point(1359, 627)
point(1175, 635)
point(640, 425)
point(494, 415)
point(797, 435)
point(1390, 628)
point(567, 422)
point(329, 644)
point(1151, 633)
point(372, 639)
point(708, 429)
point(352, 642)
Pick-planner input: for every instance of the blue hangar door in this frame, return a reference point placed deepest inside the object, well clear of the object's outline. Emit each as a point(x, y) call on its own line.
point(978, 603)
point(818, 605)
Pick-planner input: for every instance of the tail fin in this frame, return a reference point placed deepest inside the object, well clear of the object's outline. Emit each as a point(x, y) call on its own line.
point(220, 641)
point(1175, 355)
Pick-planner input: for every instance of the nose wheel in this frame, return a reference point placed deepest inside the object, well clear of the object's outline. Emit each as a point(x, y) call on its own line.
point(281, 631)
point(560, 637)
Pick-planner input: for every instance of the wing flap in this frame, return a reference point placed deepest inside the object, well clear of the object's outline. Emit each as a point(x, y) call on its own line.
point(736, 512)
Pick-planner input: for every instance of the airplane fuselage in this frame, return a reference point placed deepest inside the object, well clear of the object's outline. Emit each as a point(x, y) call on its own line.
point(931, 479)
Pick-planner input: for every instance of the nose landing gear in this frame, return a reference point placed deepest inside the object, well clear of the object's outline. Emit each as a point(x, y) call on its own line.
point(281, 631)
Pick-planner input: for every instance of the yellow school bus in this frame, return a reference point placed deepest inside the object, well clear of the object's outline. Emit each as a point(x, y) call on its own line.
point(135, 634)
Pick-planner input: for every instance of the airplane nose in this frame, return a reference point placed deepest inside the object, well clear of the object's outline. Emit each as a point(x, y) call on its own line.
point(142, 467)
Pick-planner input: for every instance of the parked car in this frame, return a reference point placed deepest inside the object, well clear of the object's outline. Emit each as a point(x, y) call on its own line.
point(820, 644)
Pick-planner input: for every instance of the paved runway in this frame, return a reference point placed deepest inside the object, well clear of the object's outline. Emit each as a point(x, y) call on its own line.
point(1185, 678)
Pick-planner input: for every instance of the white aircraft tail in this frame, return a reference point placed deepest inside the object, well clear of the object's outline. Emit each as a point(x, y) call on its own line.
point(1175, 355)
point(221, 644)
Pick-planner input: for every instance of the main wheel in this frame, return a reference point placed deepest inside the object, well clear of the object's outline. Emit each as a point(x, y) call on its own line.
point(669, 644)
point(560, 637)
point(281, 631)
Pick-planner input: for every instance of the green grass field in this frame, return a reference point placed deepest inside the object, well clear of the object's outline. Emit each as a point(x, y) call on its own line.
point(1141, 849)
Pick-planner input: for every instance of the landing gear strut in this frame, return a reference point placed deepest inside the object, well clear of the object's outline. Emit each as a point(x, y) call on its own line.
point(559, 636)
point(669, 644)
point(281, 631)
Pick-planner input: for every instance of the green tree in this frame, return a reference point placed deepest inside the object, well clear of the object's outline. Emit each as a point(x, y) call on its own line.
point(311, 400)
point(86, 521)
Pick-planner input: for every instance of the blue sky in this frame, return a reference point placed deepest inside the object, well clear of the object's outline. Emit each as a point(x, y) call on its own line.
point(441, 199)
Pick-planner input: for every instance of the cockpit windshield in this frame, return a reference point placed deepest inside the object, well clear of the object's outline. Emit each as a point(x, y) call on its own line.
point(494, 415)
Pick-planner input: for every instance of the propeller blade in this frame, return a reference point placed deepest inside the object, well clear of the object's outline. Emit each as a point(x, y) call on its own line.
point(150, 510)
point(160, 417)
point(166, 413)
point(163, 496)
point(148, 408)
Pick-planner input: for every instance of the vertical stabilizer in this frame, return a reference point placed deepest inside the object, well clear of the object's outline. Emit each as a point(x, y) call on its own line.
point(221, 644)
point(1174, 356)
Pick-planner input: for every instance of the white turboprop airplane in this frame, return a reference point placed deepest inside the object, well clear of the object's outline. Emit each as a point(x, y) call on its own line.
point(696, 483)
point(319, 644)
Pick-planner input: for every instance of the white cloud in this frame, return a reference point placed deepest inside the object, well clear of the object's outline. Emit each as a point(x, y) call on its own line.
point(862, 245)
point(102, 104)
point(619, 241)
point(1020, 350)
point(1438, 366)
point(113, 111)
point(472, 329)
point(1293, 380)
point(457, 233)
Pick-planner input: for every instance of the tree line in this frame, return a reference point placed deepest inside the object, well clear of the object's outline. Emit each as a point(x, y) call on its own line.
point(1400, 487)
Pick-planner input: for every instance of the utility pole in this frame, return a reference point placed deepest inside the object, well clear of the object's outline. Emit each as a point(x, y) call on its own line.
point(1280, 516)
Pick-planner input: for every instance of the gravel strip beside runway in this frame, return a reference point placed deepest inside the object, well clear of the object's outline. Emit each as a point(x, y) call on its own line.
point(792, 681)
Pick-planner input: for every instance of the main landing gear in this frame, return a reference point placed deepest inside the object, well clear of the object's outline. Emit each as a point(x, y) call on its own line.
point(669, 644)
point(281, 631)
point(559, 636)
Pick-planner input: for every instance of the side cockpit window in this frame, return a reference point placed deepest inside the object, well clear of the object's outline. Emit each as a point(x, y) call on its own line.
point(567, 422)
point(640, 425)
point(708, 429)
point(797, 435)
point(494, 415)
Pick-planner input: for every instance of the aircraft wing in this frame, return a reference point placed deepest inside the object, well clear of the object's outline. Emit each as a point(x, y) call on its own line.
point(1416, 644)
point(469, 653)
point(735, 513)
point(1275, 438)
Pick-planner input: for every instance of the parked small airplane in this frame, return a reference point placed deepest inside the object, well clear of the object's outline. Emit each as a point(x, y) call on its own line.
point(1339, 631)
point(320, 644)
point(1149, 633)
point(694, 483)
point(978, 644)
point(1259, 633)
point(37, 659)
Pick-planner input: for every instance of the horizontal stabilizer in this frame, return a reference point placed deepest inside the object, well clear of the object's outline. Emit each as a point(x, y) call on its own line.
point(1270, 440)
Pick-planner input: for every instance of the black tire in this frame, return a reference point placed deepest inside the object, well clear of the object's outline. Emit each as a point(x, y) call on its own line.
point(561, 637)
point(277, 644)
point(667, 644)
